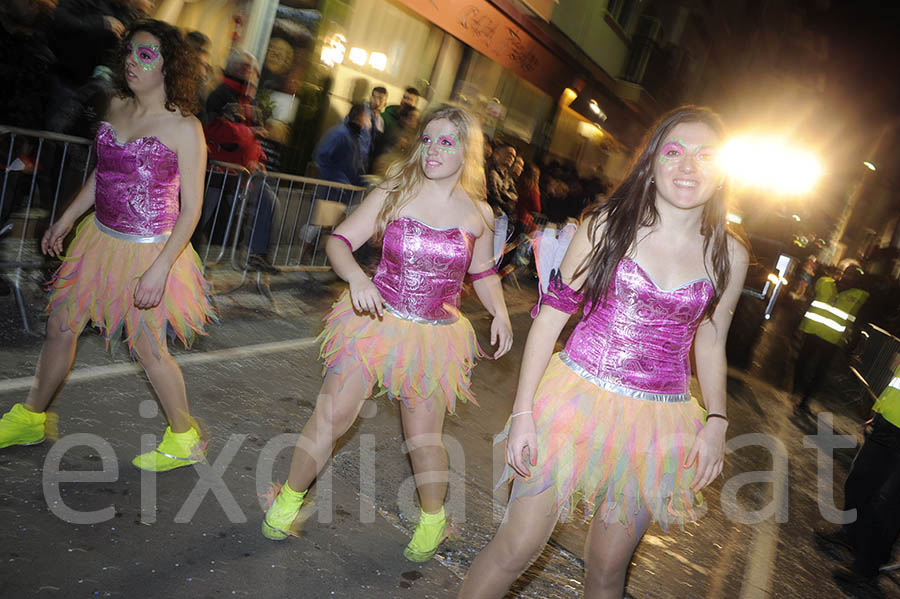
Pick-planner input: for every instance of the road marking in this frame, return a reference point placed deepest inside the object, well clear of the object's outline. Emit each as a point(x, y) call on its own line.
point(757, 583)
point(232, 353)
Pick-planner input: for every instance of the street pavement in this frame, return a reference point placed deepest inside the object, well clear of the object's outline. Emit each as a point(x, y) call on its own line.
point(252, 383)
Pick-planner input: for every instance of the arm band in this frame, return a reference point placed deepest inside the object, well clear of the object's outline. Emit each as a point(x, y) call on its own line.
point(344, 239)
point(484, 273)
point(559, 296)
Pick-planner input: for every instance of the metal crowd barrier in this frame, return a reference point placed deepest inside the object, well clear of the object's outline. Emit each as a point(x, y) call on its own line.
point(42, 171)
point(299, 209)
point(875, 358)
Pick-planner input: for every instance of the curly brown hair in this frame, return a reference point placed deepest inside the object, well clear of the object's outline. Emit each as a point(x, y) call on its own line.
point(181, 71)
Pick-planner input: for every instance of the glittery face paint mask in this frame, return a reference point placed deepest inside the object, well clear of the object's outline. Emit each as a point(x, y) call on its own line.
point(146, 56)
point(446, 143)
point(674, 150)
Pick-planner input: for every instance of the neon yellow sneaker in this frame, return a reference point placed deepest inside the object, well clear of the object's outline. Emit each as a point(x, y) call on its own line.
point(277, 523)
point(175, 451)
point(428, 535)
point(21, 426)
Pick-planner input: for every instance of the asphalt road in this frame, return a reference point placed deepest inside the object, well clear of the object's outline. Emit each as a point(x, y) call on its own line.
point(252, 382)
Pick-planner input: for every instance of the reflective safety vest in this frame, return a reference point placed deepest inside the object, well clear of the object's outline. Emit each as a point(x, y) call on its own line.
point(831, 314)
point(888, 403)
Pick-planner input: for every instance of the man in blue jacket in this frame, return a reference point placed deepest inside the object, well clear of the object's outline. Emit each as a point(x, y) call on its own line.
point(338, 152)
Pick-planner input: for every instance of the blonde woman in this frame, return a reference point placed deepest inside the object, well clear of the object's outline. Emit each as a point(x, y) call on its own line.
point(402, 330)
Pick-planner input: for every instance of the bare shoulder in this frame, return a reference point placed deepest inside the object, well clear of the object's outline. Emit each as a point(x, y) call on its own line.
point(484, 217)
point(738, 253)
point(116, 109)
point(185, 132)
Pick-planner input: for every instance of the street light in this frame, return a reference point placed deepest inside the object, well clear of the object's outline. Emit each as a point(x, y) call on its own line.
point(869, 165)
point(770, 164)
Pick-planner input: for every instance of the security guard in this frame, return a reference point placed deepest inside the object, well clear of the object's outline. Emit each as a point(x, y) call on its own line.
point(826, 324)
point(873, 489)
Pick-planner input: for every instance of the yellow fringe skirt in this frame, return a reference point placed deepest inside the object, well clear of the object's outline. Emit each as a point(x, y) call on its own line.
point(410, 361)
point(97, 279)
point(615, 453)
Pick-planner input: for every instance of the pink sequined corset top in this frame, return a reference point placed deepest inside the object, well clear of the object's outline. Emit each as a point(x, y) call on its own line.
point(637, 342)
point(137, 184)
point(422, 269)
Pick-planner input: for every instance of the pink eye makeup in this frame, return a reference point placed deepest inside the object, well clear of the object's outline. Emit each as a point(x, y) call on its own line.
point(446, 143)
point(675, 150)
point(147, 56)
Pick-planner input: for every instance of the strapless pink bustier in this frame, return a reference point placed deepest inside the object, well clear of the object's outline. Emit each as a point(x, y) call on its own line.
point(422, 269)
point(137, 184)
point(637, 343)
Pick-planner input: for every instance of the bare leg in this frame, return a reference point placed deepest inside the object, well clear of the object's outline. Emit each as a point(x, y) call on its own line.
point(336, 410)
point(166, 378)
point(519, 541)
point(57, 356)
point(608, 552)
point(423, 427)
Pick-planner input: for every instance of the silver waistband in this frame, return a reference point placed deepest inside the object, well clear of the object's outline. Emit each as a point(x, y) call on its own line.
point(621, 389)
point(418, 319)
point(129, 237)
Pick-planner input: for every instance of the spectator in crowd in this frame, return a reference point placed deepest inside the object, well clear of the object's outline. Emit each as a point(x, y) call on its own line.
point(391, 117)
point(369, 139)
point(200, 43)
point(399, 139)
point(25, 61)
point(231, 137)
point(239, 83)
point(517, 168)
point(528, 188)
point(338, 153)
point(553, 198)
point(501, 189)
point(85, 35)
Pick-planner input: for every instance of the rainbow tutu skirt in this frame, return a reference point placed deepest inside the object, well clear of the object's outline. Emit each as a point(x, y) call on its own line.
point(97, 279)
point(409, 360)
point(613, 452)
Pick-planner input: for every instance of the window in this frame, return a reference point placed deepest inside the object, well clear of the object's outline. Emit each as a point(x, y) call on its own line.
point(621, 11)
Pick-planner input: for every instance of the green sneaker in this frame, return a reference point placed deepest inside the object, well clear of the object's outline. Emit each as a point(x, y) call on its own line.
point(428, 535)
point(175, 451)
point(277, 523)
point(21, 426)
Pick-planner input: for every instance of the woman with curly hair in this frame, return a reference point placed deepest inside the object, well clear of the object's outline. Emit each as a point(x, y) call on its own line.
point(610, 420)
point(130, 266)
point(402, 329)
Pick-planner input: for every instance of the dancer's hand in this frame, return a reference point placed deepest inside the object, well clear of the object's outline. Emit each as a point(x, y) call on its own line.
point(366, 297)
point(150, 288)
point(521, 446)
point(114, 25)
point(52, 242)
point(708, 453)
point(501, 335)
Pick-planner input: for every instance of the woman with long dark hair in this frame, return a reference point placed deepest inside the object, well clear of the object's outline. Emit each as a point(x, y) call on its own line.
point(610, 419)
point(130, 267)
point(402, 330)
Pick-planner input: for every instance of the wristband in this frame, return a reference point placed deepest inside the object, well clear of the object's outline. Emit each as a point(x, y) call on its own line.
point(484, 273)
point(708, 416)
point(520, 413)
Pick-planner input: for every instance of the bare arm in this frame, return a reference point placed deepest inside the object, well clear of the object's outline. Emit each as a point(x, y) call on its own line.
point(358, 228)
point(712, 369)
point(489, 289)
point(522, 444)
point(51, 244)
point(191, 150)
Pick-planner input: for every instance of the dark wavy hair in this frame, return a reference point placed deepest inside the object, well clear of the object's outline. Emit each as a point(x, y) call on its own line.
point(181, 69)
point(614, 224)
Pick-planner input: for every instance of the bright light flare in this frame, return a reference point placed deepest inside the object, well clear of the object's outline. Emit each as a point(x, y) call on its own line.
point(770, 164)
point(378, 61)
point(869, 165)
point(358, 56)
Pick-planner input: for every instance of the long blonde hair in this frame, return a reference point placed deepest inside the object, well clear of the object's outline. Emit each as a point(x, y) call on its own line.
point(404, 177)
